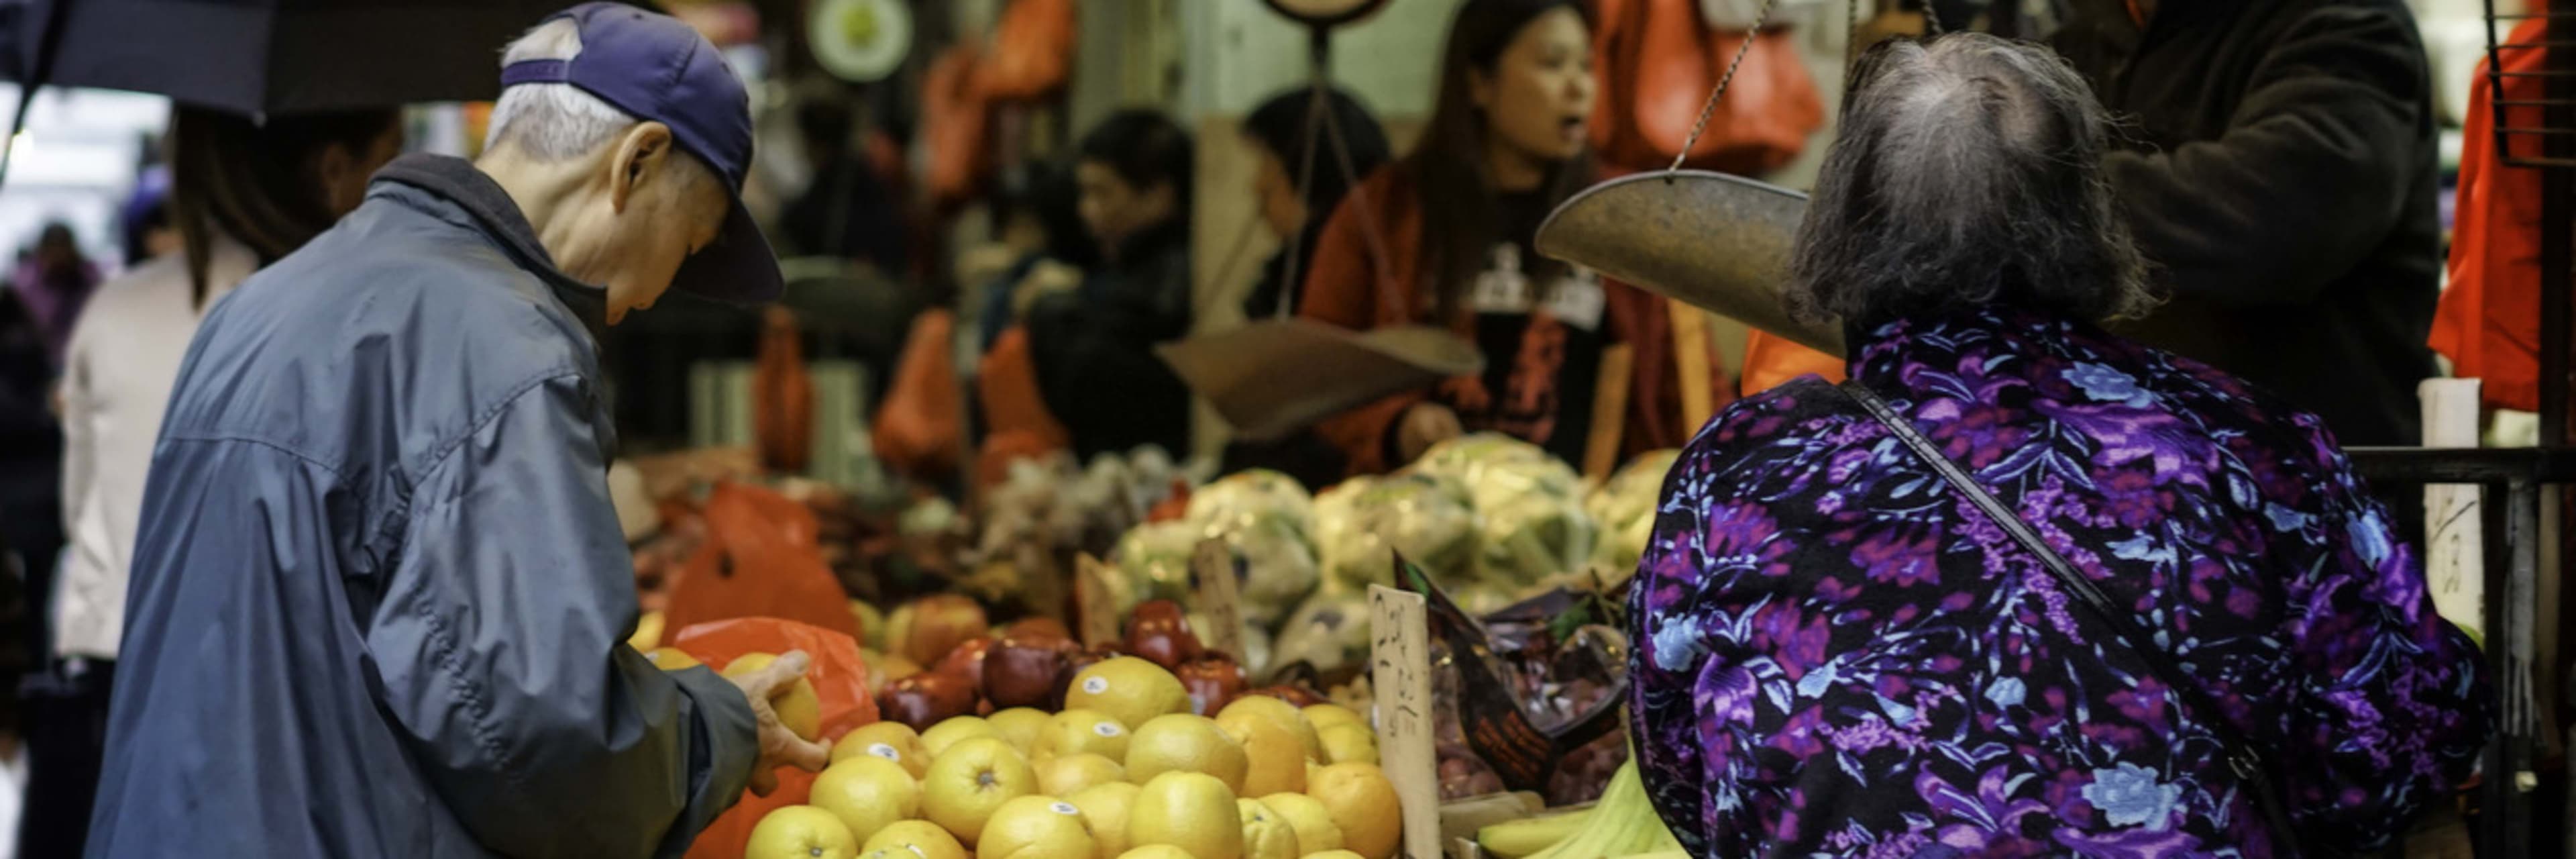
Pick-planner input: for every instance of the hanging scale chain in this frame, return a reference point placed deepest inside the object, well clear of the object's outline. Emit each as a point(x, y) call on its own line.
point(1710, 109)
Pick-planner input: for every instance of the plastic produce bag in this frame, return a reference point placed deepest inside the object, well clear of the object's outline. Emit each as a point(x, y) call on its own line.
point(1528, 504)
point(1154, 563)
point(1625, 510)
point(1423, 517)
point(840, 679)
point(1269, 520)
point(760, 559)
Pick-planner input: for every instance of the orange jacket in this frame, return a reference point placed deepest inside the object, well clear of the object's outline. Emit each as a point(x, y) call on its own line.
point(1347, 285)
point(1770, 361)
point(2489, 320)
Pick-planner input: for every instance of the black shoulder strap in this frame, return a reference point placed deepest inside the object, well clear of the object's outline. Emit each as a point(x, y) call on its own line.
point(2243, 758)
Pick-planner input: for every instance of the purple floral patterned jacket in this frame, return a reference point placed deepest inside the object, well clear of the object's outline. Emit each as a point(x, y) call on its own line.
point(1838, 655)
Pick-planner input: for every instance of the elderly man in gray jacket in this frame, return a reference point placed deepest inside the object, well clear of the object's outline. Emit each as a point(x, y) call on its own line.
point(379, 598)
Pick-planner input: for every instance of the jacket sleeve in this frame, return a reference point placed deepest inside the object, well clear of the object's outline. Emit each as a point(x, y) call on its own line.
point(2392, 703)
point(2310, 174)
point(498, 648)
point(1342, 289)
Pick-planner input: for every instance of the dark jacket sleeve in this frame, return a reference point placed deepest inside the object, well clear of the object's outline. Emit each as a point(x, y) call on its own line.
point(2310, 174)
point(500, 648)
point(1096, 365)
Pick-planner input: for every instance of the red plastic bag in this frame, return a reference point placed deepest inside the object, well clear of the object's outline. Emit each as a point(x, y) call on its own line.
point(760, 559)
point(840, 679)
point(922, 424)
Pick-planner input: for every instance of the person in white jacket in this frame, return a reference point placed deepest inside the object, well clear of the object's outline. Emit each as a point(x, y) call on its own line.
point(244, 194)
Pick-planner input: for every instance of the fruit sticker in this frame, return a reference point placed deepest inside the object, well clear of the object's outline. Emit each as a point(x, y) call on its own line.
point(885, 751)
point(1106, 729)
point(1096, 685)
point(1066, 809)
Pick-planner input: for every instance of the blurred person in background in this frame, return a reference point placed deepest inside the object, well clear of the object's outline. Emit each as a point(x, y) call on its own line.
point(1092, 339)
point(1838, 652)
point(145, 219)
point(1300, 180)
point(246, 194)
point(54, 281)
point(380, 598)
point(1035, 222)
point(846, 211)
point(1505, 145)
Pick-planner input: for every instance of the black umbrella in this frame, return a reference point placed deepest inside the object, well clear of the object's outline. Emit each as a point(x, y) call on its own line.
point(276, 56)
point(261, 57)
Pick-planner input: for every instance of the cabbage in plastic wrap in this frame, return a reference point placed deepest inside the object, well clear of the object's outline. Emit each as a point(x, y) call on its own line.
point(1625, 509)
point(1269, 520)
point(1426, 519)
point(1154, 563)
point(1330, 632)
point(1534, 526)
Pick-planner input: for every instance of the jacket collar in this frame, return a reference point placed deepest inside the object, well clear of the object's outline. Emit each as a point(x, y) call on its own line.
point(456, 181)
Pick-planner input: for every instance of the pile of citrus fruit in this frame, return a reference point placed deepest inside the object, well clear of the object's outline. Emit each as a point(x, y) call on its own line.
point(1124, 771)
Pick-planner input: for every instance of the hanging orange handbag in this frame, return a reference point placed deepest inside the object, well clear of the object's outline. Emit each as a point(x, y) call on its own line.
point(1032, 54)
point(955, 141)
point(1657, 62)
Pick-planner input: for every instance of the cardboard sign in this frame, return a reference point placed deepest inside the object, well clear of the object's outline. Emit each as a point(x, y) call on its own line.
point(1274, 377)
point(1091, 594)
point(1213, 567)
point(2455, 559)
point(1400, 679)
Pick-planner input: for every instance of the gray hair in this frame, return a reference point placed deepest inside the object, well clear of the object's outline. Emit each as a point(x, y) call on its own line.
point(552, 122)
point(1967, 172)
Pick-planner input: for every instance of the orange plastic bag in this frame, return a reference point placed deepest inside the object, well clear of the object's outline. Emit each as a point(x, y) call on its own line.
point(760, 559)
point(840, 679)
point(1032, 54)
point(922, 424)
point(1660, 59)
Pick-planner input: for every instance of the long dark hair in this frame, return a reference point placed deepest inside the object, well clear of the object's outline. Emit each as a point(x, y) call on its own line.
point(1448, 165)
point(254, 181)
point(1968, 171)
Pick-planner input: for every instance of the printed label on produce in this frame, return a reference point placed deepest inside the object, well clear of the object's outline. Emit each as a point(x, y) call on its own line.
point(1066, 809)
point(1096, 685)
point(885, 751)
point(1106, 729)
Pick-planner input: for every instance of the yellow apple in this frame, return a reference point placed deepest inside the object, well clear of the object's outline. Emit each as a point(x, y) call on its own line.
point(1129, 689)
point(1157, 851)
point(1069, 774)
point(965, 785)
point(648, 632)
point(1328, 854)
point(867, 793)
point(798, 708)
point(1191, 811)
point(1266, 835)
point(670, 658)
point(871, 624)
point(1036, 827)
point(955, 730)
point(1327, 715)
point(1185, 743)
point(1077, 732)
point(800, 832)
point(1277, 759)
point(892, 741)
point(914, 839)
point(1020, 725)
point(1316, 831)
point(1363, 804)
point(1105, 807)
point(1238, 717)
point(1349, 744)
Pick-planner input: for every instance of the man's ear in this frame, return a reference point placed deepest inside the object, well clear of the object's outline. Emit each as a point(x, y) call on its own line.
point(643, 153)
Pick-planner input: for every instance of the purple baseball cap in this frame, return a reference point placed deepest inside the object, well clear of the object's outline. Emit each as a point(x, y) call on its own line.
point(657, 69)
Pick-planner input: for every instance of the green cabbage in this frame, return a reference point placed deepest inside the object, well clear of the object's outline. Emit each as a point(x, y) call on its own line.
point(1625, 508)
point(1426, 519)
point(1529, 502)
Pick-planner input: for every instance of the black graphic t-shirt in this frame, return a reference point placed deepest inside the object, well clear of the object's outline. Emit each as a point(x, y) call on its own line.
point(1542, 342)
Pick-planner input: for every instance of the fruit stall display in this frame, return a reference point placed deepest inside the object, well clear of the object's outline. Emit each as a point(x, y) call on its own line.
point(1017, 743)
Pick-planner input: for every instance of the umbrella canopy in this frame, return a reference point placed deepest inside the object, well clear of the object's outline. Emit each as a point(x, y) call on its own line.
point(273, 56)
point(1713, 240)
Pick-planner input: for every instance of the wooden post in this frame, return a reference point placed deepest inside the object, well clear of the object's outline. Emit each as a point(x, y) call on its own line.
point(1690, 357)
point(1609, 412)
point(1092, 591)
point(1400, 680)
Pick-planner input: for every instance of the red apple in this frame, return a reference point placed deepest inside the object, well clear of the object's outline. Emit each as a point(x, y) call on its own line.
point(938, 623)
point(923, 700)
point(1296, 695)
point(966, 660)
point(1038, 627)
point(1213, 680)
point(1021, 671)
point(1160, 634)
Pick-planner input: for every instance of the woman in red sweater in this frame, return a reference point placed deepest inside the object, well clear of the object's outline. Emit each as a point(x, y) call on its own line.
point(1442, 237)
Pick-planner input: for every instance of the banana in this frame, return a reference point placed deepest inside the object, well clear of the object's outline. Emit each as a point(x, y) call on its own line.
point(1623, 823)
point(1659, 854)
point(1520, 838)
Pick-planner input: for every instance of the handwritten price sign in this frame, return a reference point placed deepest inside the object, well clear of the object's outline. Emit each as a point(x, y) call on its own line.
point(1400, 678)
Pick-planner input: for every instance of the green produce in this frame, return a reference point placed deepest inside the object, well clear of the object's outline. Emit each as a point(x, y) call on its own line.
point(1624, 508)
point(1623, 823)
point(1531, 521)
point(1425, 518)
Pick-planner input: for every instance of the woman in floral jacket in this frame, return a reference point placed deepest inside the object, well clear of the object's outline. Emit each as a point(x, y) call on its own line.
point(1839, 655)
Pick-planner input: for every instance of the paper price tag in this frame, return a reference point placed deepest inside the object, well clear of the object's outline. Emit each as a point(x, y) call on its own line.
point(1400, 678)
point(1092, 600)
point(1213, 566)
